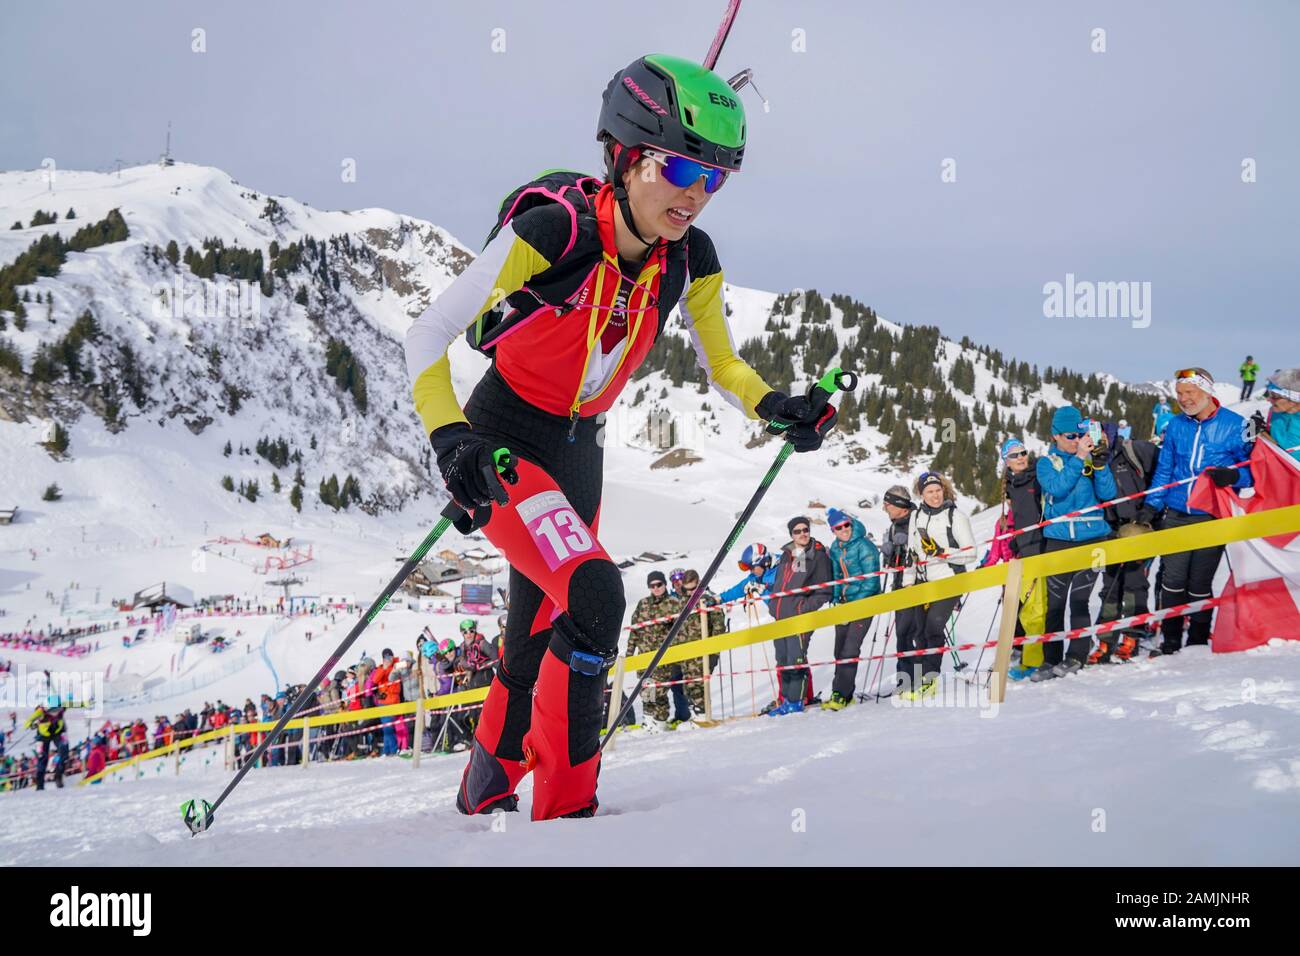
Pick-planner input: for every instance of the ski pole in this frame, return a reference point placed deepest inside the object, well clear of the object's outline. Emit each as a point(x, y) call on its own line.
point(989, 635)
point(819, 395)
point(866, 671)
point(199, 819)
point(879, 679)
point(958, 663)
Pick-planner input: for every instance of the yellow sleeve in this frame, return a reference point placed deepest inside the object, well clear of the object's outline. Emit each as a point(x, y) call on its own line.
point(503, 267)
point(728, 373)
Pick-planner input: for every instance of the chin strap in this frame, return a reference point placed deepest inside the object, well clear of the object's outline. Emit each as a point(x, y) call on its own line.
point(623, 158)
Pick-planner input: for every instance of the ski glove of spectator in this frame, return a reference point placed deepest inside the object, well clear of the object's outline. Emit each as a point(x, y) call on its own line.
point(1222, 477)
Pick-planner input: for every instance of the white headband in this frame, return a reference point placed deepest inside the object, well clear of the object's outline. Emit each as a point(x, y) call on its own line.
point(1288, 393)
point(1200, 381)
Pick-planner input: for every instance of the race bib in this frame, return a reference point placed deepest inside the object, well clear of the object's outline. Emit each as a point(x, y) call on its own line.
point(558, 533)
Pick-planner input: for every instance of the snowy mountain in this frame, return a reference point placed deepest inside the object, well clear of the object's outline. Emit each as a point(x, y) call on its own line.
point(205, 343)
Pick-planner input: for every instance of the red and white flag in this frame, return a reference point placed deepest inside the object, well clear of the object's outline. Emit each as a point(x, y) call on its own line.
point(1262, 597)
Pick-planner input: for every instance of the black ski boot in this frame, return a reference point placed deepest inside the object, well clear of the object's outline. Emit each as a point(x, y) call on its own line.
point(584, 813)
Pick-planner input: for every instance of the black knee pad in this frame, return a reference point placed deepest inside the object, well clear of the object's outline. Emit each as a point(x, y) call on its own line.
point(596, 603)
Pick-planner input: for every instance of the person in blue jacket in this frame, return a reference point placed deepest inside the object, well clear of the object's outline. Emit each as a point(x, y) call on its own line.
point(1205, 438)
point(1163, 415)
point(1072, 475)
point(852, 554)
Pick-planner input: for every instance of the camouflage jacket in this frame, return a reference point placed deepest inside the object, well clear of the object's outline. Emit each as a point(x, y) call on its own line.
point(649, 608)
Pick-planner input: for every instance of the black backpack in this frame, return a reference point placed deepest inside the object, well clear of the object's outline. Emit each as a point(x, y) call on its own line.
point(573, 190)
point(576, 192)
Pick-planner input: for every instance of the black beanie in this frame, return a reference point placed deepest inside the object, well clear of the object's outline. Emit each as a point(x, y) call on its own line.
point(789, 525)
point(654, 576)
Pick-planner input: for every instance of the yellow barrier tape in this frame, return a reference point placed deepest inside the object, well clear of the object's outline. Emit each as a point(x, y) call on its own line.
point(1116, 551)
point(443, 702)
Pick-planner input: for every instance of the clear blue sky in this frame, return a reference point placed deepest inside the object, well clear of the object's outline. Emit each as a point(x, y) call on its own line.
point(1115, 166)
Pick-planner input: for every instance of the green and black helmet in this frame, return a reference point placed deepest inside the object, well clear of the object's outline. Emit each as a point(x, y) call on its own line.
point(675, 105)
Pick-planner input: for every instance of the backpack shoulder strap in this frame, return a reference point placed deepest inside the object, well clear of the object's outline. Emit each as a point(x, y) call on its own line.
point(572, 190)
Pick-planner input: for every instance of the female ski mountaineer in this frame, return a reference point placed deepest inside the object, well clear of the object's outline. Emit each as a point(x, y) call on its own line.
point(570, 292)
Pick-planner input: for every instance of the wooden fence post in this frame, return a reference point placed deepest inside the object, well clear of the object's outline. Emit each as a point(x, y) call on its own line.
point(418, 743)
point(1006, 632)
point(615, 697)
point(704, 665)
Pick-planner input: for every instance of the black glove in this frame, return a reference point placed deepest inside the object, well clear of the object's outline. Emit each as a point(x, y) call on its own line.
point(796, 417)
point(1148, 516)
point(468, 470)
point(1100, 456)
point(1222, 477)
point(1259, 426)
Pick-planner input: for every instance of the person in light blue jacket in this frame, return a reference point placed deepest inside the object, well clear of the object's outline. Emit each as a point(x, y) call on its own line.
point(1073, 475)
point(1163, 415)
point(1205, 439)
point(852, 554)
point(1283, 394)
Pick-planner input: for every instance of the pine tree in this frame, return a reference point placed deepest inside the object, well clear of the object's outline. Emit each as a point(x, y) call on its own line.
point(329, 492)
point(72, 214)
point(173, 252)
point(900, 442)
point(52, 493)
point(295, 497)
point(227, 483)
point(887, 419)
point(10, 359)
point(275, 482)
point(60, 440)
point(849, 414)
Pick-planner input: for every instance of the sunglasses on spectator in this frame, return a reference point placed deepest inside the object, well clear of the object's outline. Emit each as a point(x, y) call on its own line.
point(843, 527)
point(799, 531)
point(1072, 436)
point(658, 584)
point(1018, 454)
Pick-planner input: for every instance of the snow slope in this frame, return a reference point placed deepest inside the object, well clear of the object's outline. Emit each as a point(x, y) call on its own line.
point(1178, 761)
